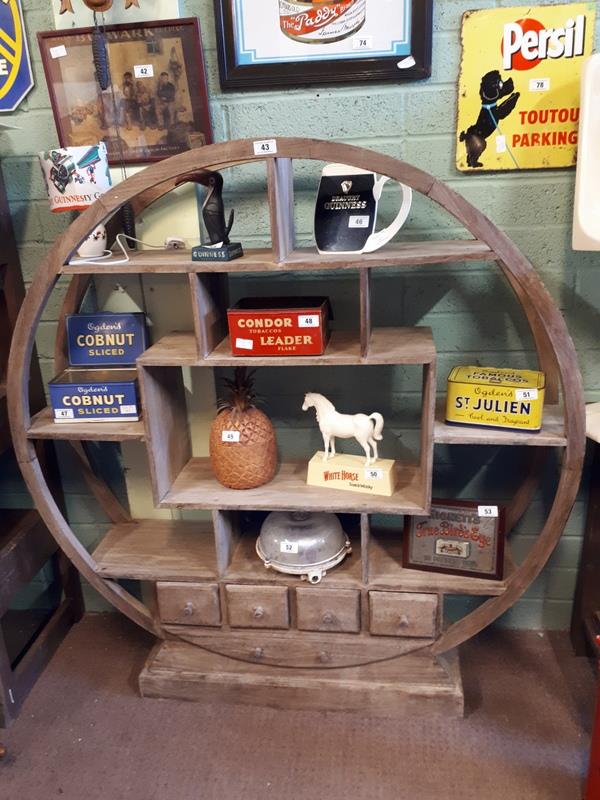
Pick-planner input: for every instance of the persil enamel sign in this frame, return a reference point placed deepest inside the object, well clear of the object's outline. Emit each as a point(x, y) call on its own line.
point(16, 78)
point(518, 98)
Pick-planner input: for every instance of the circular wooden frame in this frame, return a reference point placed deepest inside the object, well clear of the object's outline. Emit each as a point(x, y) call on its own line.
point(555, 349)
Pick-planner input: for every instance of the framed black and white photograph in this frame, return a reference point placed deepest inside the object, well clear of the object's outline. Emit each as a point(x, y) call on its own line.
point(156, 103)
point(298, 42)
point(457, 537)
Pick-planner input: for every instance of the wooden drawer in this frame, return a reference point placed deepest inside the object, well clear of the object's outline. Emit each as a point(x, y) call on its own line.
point(258, 606)
point(328, 609)
point(403, 614)
point(189, 603)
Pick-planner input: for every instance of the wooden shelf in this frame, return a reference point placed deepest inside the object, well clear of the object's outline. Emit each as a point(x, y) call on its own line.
point(551, 434)
point(43, 427)
point(196, 487)
point(177, 349)
point(386, 346)
point(394, 255)
point(174, 550)
point(302, 259)
point(386, 572)
point(150, 550)
point(246, 567)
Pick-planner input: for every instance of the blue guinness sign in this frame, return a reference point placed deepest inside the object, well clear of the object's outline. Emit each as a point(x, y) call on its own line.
point(16, 78)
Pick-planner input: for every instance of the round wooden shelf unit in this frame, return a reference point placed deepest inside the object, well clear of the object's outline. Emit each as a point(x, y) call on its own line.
point(167, 552)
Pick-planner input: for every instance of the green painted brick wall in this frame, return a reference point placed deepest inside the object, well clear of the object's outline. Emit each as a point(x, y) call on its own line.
point(472, 312)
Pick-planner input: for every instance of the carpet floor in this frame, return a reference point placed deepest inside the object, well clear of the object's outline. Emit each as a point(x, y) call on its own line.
point(84, 734)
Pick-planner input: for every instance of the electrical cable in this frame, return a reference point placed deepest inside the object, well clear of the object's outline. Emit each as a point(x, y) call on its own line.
point(78, 262)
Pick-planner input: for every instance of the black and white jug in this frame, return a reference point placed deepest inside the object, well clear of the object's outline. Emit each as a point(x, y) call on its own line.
point(346, 210)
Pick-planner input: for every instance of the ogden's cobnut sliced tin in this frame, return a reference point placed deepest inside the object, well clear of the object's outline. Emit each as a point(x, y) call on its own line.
point(106, 339)
point(94, 395)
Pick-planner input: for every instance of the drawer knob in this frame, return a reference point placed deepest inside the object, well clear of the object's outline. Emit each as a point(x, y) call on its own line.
point(328, 618)
point(258, 652)
point(188, 609)
point(258, 612)
point(324, 657)
point(403, 621)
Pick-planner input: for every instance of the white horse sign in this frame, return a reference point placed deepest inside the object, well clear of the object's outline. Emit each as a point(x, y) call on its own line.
point(347, 472)
point(365, 429)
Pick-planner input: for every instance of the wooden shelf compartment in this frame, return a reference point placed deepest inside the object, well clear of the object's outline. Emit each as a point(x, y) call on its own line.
point(246, 566)
point(298, 260)
point(195, 487)
point(182, 481)
point(151, 550)
point(551, 435)
point(43, 427)
point(386, 571)
point(386, 346)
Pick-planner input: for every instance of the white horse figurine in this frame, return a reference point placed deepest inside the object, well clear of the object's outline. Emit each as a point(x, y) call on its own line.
point(345, 426)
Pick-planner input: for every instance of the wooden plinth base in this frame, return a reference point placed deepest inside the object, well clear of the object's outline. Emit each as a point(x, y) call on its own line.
point(177, 670)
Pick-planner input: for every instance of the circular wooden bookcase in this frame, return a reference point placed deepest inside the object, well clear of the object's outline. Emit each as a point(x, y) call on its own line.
point(182, 482)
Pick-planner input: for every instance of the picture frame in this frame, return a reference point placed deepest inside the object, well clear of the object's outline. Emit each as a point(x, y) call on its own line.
point(326, 42)
point(457, 537)
point(157, 104)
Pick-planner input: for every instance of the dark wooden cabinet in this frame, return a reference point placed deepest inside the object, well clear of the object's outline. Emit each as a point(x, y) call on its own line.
point(40, 593)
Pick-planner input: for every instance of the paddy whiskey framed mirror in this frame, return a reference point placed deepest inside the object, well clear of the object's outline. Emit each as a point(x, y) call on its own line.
point(298, 42)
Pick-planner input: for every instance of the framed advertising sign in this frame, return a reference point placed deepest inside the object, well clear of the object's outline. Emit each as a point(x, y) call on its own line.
point(157, 103)
point(518, 98)
point(458, 537)
point(272, 43)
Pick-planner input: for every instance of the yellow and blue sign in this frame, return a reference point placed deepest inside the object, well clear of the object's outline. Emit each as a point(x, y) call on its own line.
point(16, 77)
point(518, 97)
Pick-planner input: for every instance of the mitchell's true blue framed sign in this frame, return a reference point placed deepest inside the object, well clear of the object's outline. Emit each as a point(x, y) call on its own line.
point(270, 43)
point(16, 77)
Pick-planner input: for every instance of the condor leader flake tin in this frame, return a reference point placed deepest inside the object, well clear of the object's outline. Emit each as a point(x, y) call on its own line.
point(105, 339)
point(109, 395)
point(496, 398)
point(275, 326)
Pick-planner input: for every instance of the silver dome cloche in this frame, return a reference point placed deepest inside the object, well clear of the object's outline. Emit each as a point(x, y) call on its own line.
point(302, 543)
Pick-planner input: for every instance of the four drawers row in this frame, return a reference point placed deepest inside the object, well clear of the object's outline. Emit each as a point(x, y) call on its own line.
point(332, 610)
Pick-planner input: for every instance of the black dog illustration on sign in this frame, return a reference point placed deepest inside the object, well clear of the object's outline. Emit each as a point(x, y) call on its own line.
point(492, 89)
